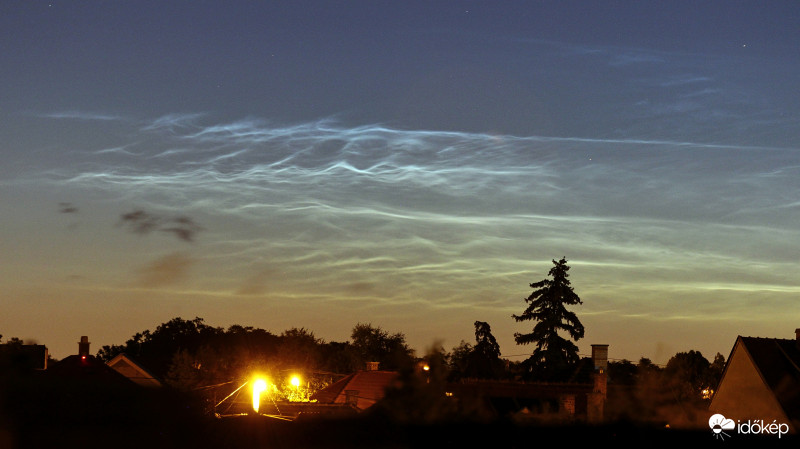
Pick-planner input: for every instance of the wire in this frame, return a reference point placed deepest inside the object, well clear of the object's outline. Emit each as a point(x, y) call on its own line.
point(232, 393)
point(661, 365)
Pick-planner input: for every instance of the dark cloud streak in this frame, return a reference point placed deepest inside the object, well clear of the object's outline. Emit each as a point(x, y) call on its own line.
point(67, 208)
point(141, 222)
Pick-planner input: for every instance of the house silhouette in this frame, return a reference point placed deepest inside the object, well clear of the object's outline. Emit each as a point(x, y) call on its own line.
point(761, 381)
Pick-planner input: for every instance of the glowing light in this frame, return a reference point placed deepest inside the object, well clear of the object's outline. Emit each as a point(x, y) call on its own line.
point(426, 368)
point(295, 381)
point(259, 386)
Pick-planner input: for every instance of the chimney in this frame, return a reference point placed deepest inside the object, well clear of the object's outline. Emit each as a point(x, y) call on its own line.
point(372, 366)
point(83, 346)
point(600, 358)
point(597, 399)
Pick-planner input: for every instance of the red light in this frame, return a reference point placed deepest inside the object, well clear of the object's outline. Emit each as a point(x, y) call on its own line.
point(83, 357)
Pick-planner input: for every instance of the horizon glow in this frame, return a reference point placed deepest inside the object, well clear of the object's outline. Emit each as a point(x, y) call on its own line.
point(412, 166)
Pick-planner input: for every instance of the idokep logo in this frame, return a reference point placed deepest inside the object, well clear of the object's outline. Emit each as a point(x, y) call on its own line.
point(719, 424)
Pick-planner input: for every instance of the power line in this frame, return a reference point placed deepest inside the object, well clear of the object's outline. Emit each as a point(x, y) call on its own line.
point(662, 365)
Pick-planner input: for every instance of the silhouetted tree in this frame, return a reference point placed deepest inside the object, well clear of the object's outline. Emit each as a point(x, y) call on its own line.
point(485, 343)
point(687, 374)
point(672, 394)
point(715, 371)
point(185, 372)
point(546, 305)
point(373, 344)
point(647, 364)
point(483, 361)
point(339, 357)
point(458, 360)
point(156, 349)
point(299, 348)
point(622, 372)
point(13, 342)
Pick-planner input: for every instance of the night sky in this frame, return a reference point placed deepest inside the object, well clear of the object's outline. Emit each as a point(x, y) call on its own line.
point(410, 164)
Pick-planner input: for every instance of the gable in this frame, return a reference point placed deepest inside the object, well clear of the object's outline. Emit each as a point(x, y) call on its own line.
point(133, 371)
point(743, 393)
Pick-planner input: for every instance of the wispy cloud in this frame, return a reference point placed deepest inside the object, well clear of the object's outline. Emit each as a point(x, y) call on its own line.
point(449, 218)
point(634, 58)
point(172, 122)
point(684, 80)
point(81, 115)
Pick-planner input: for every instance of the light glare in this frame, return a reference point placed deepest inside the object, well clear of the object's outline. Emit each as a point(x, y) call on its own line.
point(259, 386)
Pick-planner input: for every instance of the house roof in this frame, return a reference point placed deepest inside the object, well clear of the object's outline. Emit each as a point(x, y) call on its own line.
point(86, 368)
point(369, 385)
point(778, 361)
point(129, 368)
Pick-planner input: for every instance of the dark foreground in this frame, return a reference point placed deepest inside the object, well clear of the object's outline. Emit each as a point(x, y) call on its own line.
point(262, 432)
point(63, 415)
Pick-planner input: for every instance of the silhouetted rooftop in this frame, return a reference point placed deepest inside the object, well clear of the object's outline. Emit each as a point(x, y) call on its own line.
point(370, 386)
point(778, 361)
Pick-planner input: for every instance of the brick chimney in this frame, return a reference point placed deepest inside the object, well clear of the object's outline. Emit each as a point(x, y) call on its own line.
point(597, 398)
point(83, 346)
point(600, 358)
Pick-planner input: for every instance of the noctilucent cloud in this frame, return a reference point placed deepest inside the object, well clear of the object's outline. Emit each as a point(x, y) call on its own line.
point(414, 165)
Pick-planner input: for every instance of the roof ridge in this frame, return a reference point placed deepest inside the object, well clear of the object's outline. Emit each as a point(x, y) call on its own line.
point(769, 338)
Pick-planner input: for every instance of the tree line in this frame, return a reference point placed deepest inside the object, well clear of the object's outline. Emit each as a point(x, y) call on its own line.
point(190, 354)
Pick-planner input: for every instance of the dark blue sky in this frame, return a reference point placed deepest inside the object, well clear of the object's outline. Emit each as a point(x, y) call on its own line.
point(523, 68)
point(422, 162)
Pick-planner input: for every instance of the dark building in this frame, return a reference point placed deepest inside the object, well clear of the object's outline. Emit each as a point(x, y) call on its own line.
point(24, 357)
point(761, 381)
point(360, 390)
point(549, 401)
point(86, 368)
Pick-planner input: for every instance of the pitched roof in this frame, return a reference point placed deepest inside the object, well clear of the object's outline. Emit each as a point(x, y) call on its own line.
point(129, 368)
point(368, 388)
point(86, 368)
point(778, 361)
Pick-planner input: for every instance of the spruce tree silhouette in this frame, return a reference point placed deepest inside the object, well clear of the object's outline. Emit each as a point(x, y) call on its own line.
point(554, 354)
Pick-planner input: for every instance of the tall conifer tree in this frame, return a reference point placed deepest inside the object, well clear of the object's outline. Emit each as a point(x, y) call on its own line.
point(554, 354)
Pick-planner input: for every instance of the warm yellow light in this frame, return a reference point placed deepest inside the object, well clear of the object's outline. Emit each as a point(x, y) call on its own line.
point(295, 381)
point(426, 368)
point(259, 386)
